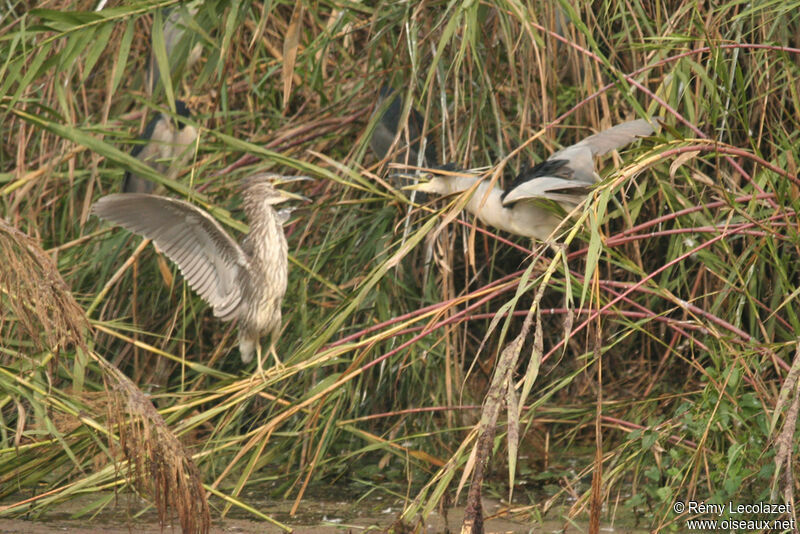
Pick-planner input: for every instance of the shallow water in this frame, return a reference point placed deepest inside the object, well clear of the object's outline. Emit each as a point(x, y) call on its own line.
point(314, 516)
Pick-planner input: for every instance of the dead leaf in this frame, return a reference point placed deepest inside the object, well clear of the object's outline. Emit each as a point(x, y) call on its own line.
point(290, 45)
point(680, 161)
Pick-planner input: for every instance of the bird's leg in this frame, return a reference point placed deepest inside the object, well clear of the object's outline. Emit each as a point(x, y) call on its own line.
point(278, 363)
point(260, 363)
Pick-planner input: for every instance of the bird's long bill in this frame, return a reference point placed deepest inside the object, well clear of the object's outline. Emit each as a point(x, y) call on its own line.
point(419, 186)
point(293, 196)
point(429, 182)
point(277, 179)
point(289, 194)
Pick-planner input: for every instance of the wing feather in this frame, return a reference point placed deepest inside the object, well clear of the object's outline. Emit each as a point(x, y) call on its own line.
point(610, 139)
point(580, 156)
point(210, 260)
point(574, 163)
point(548, 187)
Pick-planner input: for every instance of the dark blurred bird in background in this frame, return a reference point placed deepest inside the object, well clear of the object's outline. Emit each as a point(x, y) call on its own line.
point(389, 127)
point(566, 177)
point(244, 282)
point(164, 146)
point(401, 140)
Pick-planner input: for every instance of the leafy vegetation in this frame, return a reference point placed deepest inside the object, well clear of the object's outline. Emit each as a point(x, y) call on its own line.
point(662, 334)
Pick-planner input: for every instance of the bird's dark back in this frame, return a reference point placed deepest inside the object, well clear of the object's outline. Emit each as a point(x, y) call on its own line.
point(550, 167)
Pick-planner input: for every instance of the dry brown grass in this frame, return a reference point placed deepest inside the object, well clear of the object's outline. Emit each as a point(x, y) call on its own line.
point(666, 327)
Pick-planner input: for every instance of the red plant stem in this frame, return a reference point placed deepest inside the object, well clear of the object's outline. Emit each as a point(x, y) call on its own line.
point(554, 311)
point(745, 337)
point(673, 324)
point(626, 425)
point(630, 79)
point(422, 311)
point(414, 411)
point(462, 314)
point(692, 308)
point(706, 229)
point(711, 229)
point(616, 238)
point(689, 307)
point(713, 146)
point(638, 285)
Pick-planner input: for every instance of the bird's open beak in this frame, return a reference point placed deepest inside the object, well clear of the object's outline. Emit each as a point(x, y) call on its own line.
point(294, 196)
point(420, 186)
point(280, 180)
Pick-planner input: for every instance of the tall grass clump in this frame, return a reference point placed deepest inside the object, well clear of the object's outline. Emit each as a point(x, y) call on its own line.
point(647, 355)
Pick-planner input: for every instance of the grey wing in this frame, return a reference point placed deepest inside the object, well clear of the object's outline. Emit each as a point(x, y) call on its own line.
point(611, 139)
point(381, 140)
point(389, 124)
point(580, 156)
point(548, 187)
point(210, 260)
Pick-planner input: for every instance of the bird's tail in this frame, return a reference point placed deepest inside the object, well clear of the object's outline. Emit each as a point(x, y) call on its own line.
point(247, 348)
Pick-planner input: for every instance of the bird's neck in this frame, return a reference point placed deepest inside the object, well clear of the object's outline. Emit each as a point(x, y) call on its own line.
point(266, 231)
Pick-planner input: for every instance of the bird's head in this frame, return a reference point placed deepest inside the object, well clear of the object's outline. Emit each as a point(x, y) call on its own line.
point(182, 112)
point(161, 127)
point(262, 187)
point(446, 180)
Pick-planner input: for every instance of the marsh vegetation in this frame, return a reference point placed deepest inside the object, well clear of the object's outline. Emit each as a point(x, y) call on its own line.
point(648, 355)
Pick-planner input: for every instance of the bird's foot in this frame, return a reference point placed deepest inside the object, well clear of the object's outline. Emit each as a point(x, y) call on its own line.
point(278, 367)
point(278, 364)
point(261, 372)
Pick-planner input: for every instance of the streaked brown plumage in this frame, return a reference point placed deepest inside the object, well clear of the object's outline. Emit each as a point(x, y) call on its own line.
point(565, 177)
point(244, 282)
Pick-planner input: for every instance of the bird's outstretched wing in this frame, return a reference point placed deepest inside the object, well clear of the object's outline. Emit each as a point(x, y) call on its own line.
point(611, 139)
point(575, 162)
point(551, 188)
point(210, 260)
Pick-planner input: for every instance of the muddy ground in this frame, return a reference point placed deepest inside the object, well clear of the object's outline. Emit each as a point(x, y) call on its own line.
point(317, 517)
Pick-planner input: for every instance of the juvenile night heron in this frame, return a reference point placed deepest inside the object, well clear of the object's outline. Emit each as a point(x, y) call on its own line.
point(389, 125)
point(565, 177)
point(244, 282)
point(165, 147)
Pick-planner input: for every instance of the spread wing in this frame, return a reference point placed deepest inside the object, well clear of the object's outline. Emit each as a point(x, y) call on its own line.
point(574, 163)
point(549, 187)
point(611, 139)
point(210, 260)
